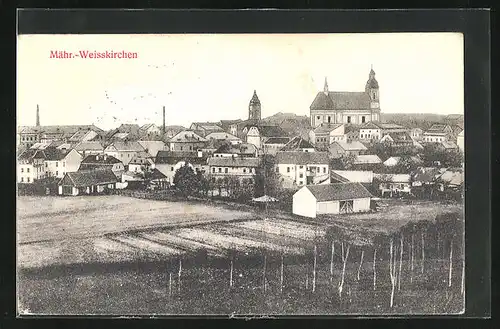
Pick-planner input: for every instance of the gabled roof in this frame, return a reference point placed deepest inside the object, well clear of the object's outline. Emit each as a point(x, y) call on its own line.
point(88, 177)
point(142, 157)
point(54, 154)
point(338, 191)
point(268, 130)
point(394, 178)
point(89, 146)
point(233, 162)
point(367, 159)
point(338, 178)
point(452, 177)
point(326, 127)
point(350, 146)
point(400, 136)
point(173, 157)
point(213, 126)
point(355, 176)
point(297, 143)
point(100, 159)
point(427, 174)
point(277, 140)
point(187, 136)
point(439, 128)
point(221, 135)
point(341, 100)
point(302, 158)
point(126, 146)
point(63, 129)
point(381, 125)
point(242, 148)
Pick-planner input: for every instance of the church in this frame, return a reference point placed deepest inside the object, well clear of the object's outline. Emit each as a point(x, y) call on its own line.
point(347, 107)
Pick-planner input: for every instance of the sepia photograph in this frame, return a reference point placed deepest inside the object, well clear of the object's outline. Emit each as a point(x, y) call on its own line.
point(240, 174)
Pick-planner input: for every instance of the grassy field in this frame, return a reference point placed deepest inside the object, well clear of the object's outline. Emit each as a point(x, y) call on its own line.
point(53, 218)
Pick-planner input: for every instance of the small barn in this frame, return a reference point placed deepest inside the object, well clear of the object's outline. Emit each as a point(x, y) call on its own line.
point(338, 198)
point(87, 182)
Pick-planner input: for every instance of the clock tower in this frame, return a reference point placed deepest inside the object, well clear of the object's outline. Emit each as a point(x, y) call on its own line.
point(254, 108)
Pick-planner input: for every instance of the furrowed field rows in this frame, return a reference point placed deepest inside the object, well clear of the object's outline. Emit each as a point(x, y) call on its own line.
point(181, 243)
point(279, 227)
point(229, 242)
point(147, 245)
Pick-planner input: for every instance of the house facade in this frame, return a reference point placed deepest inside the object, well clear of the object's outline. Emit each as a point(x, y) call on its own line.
point(438, 133)
point(258, 134)
point(124, 151)
point(58, 162)
point(394, 184)
point(338, 198)
point(461, 141)
point(30, 166)
point(243, 169)
point(186, 141)
point(168, 162)
point(102, 162)
point(87, 182)
point(302, 168)
point(375, 131)
point(326, 133)
point(339, 149)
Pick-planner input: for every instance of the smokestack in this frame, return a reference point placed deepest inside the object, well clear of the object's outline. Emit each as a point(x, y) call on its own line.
point(163, 120)
point(37, 116)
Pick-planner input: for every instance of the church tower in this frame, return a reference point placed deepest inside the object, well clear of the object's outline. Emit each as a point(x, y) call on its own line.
point(325, 88)
point(254, 108)
point(372, 89)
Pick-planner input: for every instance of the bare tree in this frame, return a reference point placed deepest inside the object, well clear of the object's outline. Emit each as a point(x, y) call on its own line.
point(344, 260)
point(361, 262)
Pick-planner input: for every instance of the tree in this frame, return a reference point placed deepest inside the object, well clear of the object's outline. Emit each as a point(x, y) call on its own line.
point(267, 180)
point(186, 181)
point(382, 150)
point(347, 161)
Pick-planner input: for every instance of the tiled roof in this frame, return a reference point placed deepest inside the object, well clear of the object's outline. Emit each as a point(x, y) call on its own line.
point(395, 178)
point(169, 157)
point(270, 131)
point(65, 129)
point(400, 137)
point(367, 159)
point(88, 177)
point(426, 174)
point(355, 176)
point(100, 159)
point(381, 125)
point(297, 143)
point(242, 148)
point(326, 127)
point(449, 145)
point(233, 162)
point(452, 177)
point(156, 174)
point(302, 158)
point(54, 154)
point(221, 135)
point(214, 126)
point(438, 128)
point(341, 100)
point(27, 154)
point(187, 136)
point(351, 146)
point(338, 191)
point(277, 140)
point(89, 146)
point(337, 177)
point(126, 146)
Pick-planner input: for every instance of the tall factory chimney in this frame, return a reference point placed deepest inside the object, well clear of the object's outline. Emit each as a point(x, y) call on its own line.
point(37, 116)
point(163, 120)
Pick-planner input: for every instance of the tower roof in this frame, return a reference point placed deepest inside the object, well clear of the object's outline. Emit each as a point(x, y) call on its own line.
point(372, 83)
point(255, 98)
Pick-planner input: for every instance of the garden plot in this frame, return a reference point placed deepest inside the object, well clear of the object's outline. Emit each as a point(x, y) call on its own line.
point(182, 243)
point(147, 245)
point(228, 242)
point(284, 228)
point(110, 250)
point(36, 255)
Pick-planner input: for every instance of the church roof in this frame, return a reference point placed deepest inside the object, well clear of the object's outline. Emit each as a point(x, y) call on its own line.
point(341, 100)
point(255, 98)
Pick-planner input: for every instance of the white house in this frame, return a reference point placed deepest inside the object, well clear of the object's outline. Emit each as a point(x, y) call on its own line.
point(168, 163)
point(374, 131)
point(244, 169)
point(354, 176)
point(87, 182)
point(223, 136)
point(58, 162)
point(152, 147)
point(438, 133)
point(30, 166)
point(124, 151)
point(141, 162)
point(338, 198)
point(394, 184)
point(327, 133)
point(302, 168)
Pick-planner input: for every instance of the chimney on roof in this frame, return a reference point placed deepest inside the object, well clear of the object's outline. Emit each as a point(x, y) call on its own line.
point(163, 120)
point(37, 116)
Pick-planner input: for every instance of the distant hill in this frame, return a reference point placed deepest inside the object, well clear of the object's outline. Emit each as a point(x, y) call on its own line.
point(421, 120)
point(292, 124)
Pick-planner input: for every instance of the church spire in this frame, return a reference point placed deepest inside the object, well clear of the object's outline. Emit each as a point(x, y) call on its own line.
point(325, 88)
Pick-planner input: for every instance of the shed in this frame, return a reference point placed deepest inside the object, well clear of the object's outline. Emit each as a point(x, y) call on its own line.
point(338, 198)
point(87, 182)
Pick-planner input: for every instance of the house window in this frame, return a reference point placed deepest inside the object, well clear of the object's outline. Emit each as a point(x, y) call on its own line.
point(220, 169)
point(57, 173)
point(225, 170)
point(27, 169)
point(129, 155)
point(57, 163)
point(22, 179)
point(277, 169)
point(28, 179)
point(22, 170)
point(301, 182)
point(318, 117)
point(64, 164)
point(329, 119)
point(287, 169)
point(363, 119)
point(324, 170)
point(301, 167)
point(213, 170)
point(301, 176)
point(348, 119)
point(181, 148)
point(244, 170)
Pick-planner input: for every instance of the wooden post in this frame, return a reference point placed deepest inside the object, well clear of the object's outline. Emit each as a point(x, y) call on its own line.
point(331, 260)
point(392, 271)
point(400, 262)
point(314, 271)
point(231, 274)
point(307, 281)
point(423, 253)
point(412, 256)
point(462, 289)
point(374, 269)
point(281, 276)
point(361, 262)
point(180, 271)
point(170, 284)
point(264, 275)
point(451, 264)
point(341, 285)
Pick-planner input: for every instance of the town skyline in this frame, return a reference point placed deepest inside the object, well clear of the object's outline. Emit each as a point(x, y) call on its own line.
point(179, 72)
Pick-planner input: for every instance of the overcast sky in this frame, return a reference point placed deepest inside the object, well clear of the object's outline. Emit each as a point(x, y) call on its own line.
point(212, 77)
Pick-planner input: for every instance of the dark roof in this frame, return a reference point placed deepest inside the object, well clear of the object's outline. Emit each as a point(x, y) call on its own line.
point(54, 154)
point(156, 174)
point(277, 140)
point(170, 157)
point(372, 83)
point(438, 128)
point(28, 154)
point(67, 129)
point(233, 162)
point(255, 99)
point(326, 127)
point(337, 177)
point(297, 143)
point(302, 158)
point(242, 148)
point(100, 159)
point(271, 131)
point(426, 174)
point(338, 191)
point(89, 146)
point(341, 100)
point(127, 146)
point(88, 177)
point(400, 136)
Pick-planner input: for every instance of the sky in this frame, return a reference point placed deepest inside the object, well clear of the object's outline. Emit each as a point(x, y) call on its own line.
point(211, 77)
